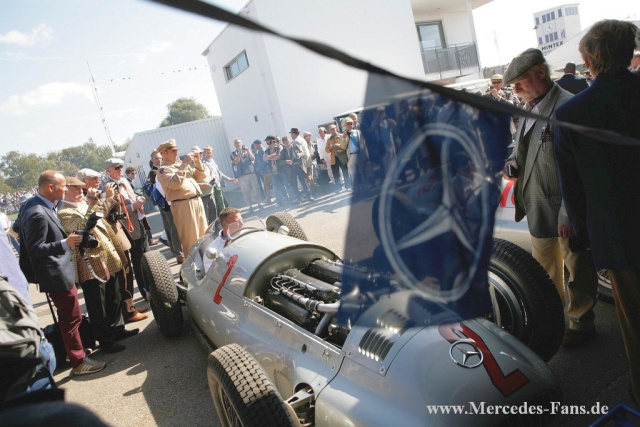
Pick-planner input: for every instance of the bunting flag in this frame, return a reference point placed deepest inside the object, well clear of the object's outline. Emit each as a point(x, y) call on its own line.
point(167, 73)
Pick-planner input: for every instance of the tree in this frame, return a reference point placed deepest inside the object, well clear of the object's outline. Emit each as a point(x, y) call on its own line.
point(184, 110)
point(88, 155)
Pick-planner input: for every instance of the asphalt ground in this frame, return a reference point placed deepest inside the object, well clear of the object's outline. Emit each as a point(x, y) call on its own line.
point(160, 381)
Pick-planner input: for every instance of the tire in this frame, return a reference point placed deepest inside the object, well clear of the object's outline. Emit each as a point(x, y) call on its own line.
point(282, 218)
point(525, 300)
point(605, 292)
point(242, 392)
point(166, 308)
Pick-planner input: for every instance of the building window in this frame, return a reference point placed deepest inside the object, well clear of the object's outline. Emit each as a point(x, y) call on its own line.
point(539, 41)
point(553, 16)
point(573, 10)
point(544, 18)
point(431, 35)
point(559, 13)
point(237, 66)
point(537, 21)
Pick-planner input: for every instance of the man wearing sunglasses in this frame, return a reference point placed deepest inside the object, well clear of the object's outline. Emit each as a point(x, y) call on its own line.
point(130, 220)
point(497, 92)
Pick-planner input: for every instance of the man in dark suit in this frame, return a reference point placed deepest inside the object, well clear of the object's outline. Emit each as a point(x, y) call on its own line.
point(598, 176)
point(570, 82)
point(45, 258)
point(539, 197)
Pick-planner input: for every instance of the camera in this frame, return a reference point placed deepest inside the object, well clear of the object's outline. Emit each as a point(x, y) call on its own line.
point(88, 239)
point(115, 216)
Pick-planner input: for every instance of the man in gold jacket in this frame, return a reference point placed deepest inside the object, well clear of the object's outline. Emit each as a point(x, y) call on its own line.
point(180, 182)
point(96, 268)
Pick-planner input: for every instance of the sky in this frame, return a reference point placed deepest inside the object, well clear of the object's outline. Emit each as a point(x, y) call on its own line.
point(143, 56)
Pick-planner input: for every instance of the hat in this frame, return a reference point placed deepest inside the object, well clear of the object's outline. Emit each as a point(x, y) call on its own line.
point(85, 173)
point(166, 145)
point(270, 138)
point(348, 120)
point(522, 63)
point(294, 130)
point(130, 169)
point(305, 133)
point(196, 149)
point(74, 182)
point(257, 141)
point(113, 162)
point(333, 127)
point(496, 77)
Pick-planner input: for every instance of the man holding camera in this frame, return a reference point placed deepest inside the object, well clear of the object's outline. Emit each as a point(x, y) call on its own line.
point(45, 258)
point(128, 214)
point(243, 160)
point(97, 260)
point(179, 179)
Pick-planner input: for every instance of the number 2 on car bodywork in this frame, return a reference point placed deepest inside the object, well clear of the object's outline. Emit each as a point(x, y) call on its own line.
point(232, 261)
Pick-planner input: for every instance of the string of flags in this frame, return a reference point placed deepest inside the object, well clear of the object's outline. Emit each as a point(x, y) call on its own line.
point(161, 73)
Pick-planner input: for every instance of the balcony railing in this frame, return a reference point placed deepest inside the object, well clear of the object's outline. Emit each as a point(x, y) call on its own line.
point(452, 61)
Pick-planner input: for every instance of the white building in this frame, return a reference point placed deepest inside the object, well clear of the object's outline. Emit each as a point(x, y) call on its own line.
point(266, 85)
point(203, 132)
point(556, 25)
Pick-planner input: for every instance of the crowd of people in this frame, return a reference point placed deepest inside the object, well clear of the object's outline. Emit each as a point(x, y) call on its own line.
point(567, 184)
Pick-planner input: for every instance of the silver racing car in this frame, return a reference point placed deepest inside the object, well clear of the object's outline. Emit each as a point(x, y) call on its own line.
point(268, 304)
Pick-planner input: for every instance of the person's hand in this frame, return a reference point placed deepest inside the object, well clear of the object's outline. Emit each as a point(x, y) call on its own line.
point(494, 92)
point(289, 162)
point(205, 185)
point(188, 158)
point(565, 230)
point(234, 180)
point(74, 240)
point(92, 195)
point(504, 171)
point(138, 204)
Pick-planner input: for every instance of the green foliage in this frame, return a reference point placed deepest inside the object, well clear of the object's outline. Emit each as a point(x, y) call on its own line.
point(21, 171)
point(184, 110)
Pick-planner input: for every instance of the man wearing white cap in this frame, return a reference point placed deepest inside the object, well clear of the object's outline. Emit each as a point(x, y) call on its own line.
point(179, 179)
point(130, 220)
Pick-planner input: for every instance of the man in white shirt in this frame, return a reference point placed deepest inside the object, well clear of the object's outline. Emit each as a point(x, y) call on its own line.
point(228, 217)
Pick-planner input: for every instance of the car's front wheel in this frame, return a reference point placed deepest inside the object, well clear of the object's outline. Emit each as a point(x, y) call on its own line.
point(165, 305)
point(242, 392)
point(524, 299)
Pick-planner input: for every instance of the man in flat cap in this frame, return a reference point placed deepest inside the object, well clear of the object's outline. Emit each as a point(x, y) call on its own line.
point(539, 197)
point(129, 206)
point(96, 268)
point(179, 179)
point(570, 81)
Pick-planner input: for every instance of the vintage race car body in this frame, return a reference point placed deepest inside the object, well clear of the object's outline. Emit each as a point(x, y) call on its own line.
point(275, 296)
point(518, 233)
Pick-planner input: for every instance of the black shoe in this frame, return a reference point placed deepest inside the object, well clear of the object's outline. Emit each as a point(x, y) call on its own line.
point(126, 333)
point(112, 348)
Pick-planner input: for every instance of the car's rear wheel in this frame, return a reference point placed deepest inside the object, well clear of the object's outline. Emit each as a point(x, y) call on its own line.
point(242, 392)
point(165, 305)
point(524, 299)
point(282, 218)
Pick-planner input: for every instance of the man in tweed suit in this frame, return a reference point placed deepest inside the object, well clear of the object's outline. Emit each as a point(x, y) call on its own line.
point(539, 197)
point(96, 269)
